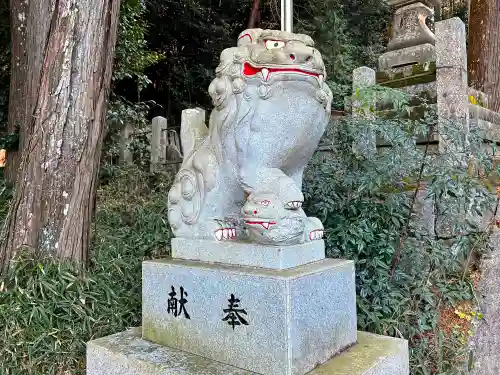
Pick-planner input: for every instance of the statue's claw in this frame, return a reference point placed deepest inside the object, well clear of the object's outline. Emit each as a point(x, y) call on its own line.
point(293, 205)
point(225, 232)
point(316, 234)
point(314, 229)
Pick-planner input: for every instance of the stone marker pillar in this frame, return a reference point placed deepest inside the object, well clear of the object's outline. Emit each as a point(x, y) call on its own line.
point(363, 77)
point(248, 289)
point(451, 78)
point(125, 154)
point(158, 142)
point(452, 101)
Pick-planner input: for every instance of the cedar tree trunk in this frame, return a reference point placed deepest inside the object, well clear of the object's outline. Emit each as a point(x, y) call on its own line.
point(18, 104)
point(70, 49)
point(484, 49)
point(254, 15)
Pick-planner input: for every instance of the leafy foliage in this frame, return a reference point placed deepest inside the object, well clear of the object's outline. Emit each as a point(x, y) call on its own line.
point(49, 310)
point(455, 8)
point(344, 45)
point(197, 32)
point(133, 55)
point(120, 114)
point(191, 35)
point(373, 204)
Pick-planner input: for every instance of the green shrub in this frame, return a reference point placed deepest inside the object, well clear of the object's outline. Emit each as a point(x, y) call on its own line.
point(406, 269)
point(49, 310)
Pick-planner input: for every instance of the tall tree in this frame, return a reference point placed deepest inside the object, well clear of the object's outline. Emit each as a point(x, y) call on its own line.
point(69, 48)
point(18, 103)
point(4, 61)
point(484, 49)
point(253, 21)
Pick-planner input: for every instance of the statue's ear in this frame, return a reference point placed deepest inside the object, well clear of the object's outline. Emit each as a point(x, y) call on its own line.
point(249, 36)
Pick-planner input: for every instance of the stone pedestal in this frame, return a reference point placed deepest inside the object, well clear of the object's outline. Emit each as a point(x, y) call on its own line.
point(266, 321)
point(256, 314)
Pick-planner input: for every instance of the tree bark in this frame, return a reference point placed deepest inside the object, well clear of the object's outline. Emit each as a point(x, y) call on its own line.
point(18, 105)
point(254, 15)
point(484, 49)
point(69, 53)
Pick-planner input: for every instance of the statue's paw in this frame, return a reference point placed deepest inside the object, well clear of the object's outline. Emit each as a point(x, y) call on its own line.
point(225, 231)
point(314, 229)
point(293, 205)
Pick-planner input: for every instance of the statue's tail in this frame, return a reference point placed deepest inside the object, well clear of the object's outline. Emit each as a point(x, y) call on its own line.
point(186, 197)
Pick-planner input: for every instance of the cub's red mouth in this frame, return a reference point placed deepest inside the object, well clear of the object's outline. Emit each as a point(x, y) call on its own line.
point(250, 71)
point(265, 224)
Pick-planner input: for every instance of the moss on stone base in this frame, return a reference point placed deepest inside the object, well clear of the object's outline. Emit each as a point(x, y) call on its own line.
point(127, 354)
point(407, 76)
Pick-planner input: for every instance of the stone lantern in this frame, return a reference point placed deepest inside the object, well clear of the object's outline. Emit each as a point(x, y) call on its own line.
point(412, 39)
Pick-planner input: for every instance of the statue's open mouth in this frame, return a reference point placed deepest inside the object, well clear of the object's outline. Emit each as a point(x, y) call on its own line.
point(250, 71)
point(265, 224)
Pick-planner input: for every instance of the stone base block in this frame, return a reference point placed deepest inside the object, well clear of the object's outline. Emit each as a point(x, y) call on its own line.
point(248, 254)
point(407, 56)
point(266, 321)
point(127, 354)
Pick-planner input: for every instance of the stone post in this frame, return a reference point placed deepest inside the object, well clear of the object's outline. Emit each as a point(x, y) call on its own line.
point(363, 77)
point(452, 98)
point(158, 142)
point(451, 77)
point(125, 154)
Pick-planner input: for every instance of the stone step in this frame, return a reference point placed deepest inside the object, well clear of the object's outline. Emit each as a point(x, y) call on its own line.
point(266, 321)
point(126, 353)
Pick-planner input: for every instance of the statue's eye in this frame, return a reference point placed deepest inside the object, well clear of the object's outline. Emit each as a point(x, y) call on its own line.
point(266, 202)
point(273, 44)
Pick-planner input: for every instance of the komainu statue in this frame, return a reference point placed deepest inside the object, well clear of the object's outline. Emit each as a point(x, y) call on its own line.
point(242, 176)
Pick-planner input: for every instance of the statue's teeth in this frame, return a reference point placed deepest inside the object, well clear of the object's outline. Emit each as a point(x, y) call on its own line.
point(265, 225)
point(265, 73)
point(321, 79)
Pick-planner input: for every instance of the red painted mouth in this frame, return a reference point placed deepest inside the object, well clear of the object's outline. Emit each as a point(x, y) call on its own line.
point(249, 70)
point(264, 224)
